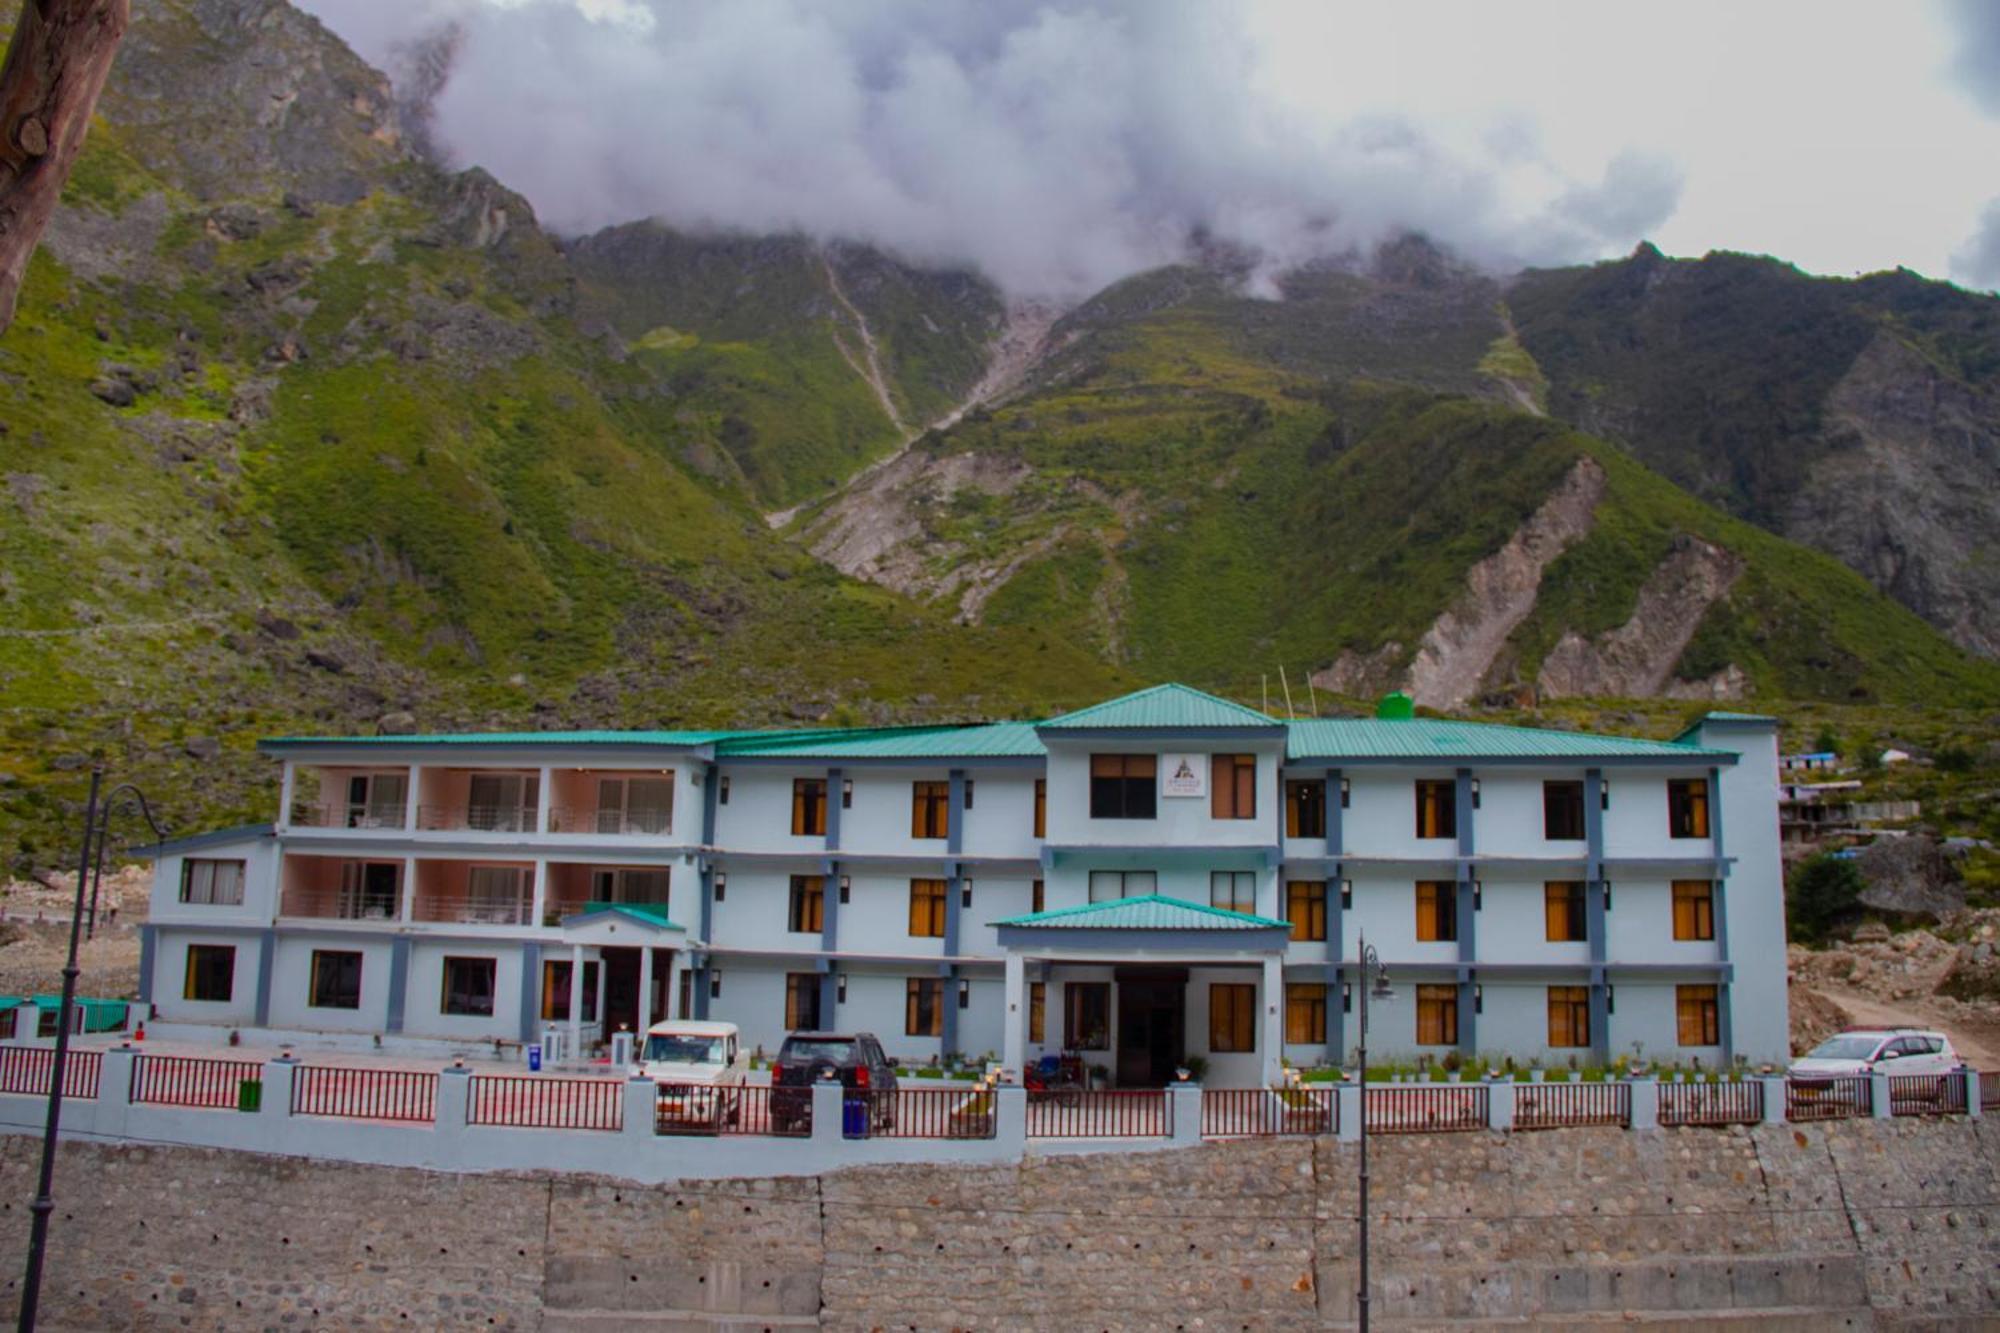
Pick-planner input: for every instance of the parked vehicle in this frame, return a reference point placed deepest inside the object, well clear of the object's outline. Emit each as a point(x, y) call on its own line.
point(700, 1067)
point(856, 1060)
point(1877, 1050)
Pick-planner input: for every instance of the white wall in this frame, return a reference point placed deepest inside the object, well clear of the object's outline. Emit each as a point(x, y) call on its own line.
point(170, 948)
point(1636, 824)
point(1513, 925)
point(1385, 910)
point(291, 979)
point(759, 814)
point(1640, 926)
point(423, 1003)
point(876, 916)
point(1510, 818)
point(1181, 821)
point(1002, 819)
point(1755, 893)
point(1381, 818)
point(260, 885)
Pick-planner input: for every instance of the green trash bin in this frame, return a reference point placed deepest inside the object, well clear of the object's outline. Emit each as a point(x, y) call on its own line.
point(249, 1095)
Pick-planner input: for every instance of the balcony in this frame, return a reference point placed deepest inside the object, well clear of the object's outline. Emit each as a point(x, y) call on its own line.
point(474, 894)
point(477, 818)
point(341, 814)
point(653, 823)
point(612, 803)
point(335, 888)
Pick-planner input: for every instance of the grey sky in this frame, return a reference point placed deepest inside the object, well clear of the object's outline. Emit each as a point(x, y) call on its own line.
point(1061, 145)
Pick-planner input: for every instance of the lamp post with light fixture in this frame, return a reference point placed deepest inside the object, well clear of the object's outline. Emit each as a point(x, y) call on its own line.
point(1374, 981)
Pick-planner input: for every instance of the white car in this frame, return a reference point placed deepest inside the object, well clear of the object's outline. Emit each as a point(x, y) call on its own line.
point(1896, 1051)
point(700, 1067)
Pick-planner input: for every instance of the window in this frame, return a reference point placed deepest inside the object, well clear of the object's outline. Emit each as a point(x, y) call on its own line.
point(1305, 1013)
point(502, 802)
point(802, 1002)
point(468, 986)
point(1562, 811)
point(336, 980)
point(809, 807)
point(1038, 1001)
point(1233, 890)
point(212, 883)
point(1562, 910)
point(1697, 1015)
point(927, 908)
point(1232, 786)
point(1037, 898)
point(1694, 909)
point(639, 805)
point(1687, 808)
point(211, 973)
point(370, 890)
point(808, 906)
point(1111, 885)
point(377, 800)
point(1305, 809)
point(9, 1020)
point(923, 1007)
point(1087, 1016)
point(1437, 910)
point(1232, 1017)
point(1122, 786)
point(930, 809)
point(1437, 808)
point(1569, 1015)
point(497, 894)
point(555, 992)
point(1437, 1015)
point(1305, 908)
point(1041, 807)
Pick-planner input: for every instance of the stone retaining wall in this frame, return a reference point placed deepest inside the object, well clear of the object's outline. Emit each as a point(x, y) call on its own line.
point(1862, 1224)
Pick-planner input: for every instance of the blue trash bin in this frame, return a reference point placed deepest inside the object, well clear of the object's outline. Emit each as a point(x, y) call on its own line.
point(854, 1118)
point(534, 1057)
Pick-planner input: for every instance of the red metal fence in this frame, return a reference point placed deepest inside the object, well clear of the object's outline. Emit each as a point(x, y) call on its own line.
point(1425, 1108)
point(365, 1094)
point(1927, 1094)
point(183, 1080)
point(1827, 1098)
point(1255, 1112)
point(699, 1108)
point(1989, 1089)
point(1740, 1103)
point(962, 1112)
point(1562, 1105)
point(530, 1102)
point(31, 1069)
point(1127, 1113)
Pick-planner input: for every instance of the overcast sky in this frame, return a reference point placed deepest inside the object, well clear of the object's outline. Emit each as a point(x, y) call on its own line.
point(1061, 145)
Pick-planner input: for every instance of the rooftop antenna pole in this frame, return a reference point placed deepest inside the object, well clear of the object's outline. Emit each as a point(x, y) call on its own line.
point(1312, 694)
point(1286, 686)
point(1265, 678)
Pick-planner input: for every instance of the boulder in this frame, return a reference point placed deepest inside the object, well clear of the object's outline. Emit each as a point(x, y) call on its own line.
point(203, 748)
point(1911, 879)
point(396, 724)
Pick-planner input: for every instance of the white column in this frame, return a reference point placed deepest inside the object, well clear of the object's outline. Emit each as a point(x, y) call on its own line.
point(542, 801)
point(645, 993)
point(576, 1001)
point(1274, 1019)
point(285, 791)
point(1013, 1041)
point(676, 966)
point(409, 888)
point(412, 799)
point(540, 905)
point(603, 977)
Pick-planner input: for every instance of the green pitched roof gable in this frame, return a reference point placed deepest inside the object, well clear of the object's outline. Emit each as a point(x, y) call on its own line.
point(1163, 707)
point(993, 740)
point(651, 914)
point(1441, 738)
point(1150, 911)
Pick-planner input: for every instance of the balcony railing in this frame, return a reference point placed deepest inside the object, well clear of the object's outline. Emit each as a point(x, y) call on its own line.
point(335, 905)
point(341, 814)
point(584, 819)
point(477, 818)
point(471, 911)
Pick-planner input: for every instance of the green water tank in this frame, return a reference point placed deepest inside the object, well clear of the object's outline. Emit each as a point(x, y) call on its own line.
point(1396, 707)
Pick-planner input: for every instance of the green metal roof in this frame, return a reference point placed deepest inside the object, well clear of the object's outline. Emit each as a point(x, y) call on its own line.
point(1001, 740)
point(519, 738)
point(652, 913)
point(1150, 911)
point(1440, 738)
point(1163, 706)
point(1736, 717)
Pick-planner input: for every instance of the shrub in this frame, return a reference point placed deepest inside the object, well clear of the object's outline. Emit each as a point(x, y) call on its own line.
point(1823, 892)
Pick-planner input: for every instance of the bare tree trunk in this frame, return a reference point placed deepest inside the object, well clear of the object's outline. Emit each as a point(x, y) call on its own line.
point(56, 66)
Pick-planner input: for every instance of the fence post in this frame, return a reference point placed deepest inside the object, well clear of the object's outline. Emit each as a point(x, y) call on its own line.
point(277, 1096)
point(827, 1097)
point(1878, 1095)
point(1645, 1102)
point(1971, 1077)
point(1500, 1104)
point(1010, 1124)
point(1774, 1098)
point(1347, 1124)
point(454, 1098)
point(1184, 1113)
point(641, 1108)
point(114, 1088)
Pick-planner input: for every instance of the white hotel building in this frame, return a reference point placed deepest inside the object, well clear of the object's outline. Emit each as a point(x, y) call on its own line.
point(1161, 876)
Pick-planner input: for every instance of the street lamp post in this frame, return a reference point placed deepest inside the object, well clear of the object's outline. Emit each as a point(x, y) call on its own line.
point(1374, 980)
point(96, 827)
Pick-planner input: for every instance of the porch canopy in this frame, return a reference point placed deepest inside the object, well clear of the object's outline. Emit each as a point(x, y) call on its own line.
point(1150, 929)
point(641, 926)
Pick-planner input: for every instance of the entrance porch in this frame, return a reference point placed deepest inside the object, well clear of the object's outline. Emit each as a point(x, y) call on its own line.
point(625, 970)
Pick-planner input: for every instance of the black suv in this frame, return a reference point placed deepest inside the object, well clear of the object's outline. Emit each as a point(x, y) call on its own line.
point(807, 1057)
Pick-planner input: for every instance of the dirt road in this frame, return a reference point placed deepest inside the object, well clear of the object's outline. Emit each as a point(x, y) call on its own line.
point(1977, 1042)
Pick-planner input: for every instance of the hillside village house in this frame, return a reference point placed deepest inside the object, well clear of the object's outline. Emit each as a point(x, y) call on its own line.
point(1161, 876)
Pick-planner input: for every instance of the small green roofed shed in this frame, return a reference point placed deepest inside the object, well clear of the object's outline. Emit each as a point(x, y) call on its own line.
point(1169, 707)
point(1151, 911)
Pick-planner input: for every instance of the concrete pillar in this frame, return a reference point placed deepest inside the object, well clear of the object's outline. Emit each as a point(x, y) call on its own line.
point(576, 1001)
point(399, 983)
point(1774, 1098)
point(278, 1074)
point(1010, 1125)
point(1971, 1077)
point(149, 948)
point(1878, 1091)
point(1500, 1104)
point(1184, 1113)
point(287, 788)
point(413, 798)
point(408, 909)
point(538, 907)
point(1273, 996)
point(676, 967)
point(542, 799)
point(114, 1088)
point(645, 1007)
point(454, 1098)
point(267, 957)
point(641, 1097)
point(603, 986)
point(1014, 1018)
point(1645, 1103)
point(827, 1095)
point(1347, 1097)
